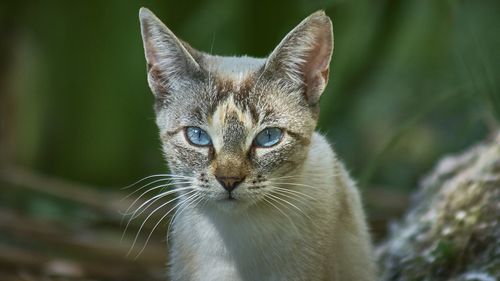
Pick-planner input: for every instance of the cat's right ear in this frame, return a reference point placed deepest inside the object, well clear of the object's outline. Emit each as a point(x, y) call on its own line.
point(168, 58)
point(303, 56)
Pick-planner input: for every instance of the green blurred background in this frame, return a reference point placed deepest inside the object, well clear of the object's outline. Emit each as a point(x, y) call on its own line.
point(411, 81)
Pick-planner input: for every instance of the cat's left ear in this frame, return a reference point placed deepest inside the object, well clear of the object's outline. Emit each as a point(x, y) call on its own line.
point(303, 56)
point(171, 62)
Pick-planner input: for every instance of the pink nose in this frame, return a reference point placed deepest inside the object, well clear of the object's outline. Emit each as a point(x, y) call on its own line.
point(229, 183)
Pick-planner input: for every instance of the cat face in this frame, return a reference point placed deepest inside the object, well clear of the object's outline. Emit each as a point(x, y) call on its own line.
point(233, 125)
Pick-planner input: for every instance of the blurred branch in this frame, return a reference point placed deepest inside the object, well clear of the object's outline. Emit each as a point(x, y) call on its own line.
point(85, 243)
point(76, 250)
point(21, 261)
point(82, 194)
point(111, 205)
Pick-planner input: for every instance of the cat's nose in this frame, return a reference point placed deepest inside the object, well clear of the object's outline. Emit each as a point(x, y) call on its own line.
point(229, 183)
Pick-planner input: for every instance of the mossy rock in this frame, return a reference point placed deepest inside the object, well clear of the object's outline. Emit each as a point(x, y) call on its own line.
point(452, 230)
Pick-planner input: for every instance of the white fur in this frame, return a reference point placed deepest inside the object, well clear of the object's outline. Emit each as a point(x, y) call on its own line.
point(236, 67)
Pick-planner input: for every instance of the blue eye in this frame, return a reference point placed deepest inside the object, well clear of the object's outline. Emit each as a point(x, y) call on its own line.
point(197, 136)
point(268, 137)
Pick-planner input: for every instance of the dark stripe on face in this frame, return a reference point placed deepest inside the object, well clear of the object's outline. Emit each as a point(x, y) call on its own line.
point(169, 134)
point(303, 140)
point(191, 157)
point(234, 134)
point(196, 114)
point(253, 112)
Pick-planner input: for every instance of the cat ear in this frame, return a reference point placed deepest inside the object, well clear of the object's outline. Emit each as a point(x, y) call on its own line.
point(170, 61)
point(303, 56)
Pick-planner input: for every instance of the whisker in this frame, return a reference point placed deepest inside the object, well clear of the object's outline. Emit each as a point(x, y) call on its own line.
point(295, 184)
point(153, 176)
point(153, 199)
point(292, 205)
point(309, 174)
point(179, 209)
point(305, 175)
point(149, 190)
point(142, 187)
point(158, 223)
point(293, 196)
point(147, 218)
point(134, 215)
point(292, 191)
point(209, 68)
point(178, 212)
point(276, 207)
point(126, 213)
point(149, 203)
point(141, 180)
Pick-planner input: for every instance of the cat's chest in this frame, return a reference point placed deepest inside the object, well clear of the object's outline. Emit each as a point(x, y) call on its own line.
point(239, 251)
point(252, 257)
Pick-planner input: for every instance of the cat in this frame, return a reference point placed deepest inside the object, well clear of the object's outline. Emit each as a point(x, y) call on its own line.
point(262, 196)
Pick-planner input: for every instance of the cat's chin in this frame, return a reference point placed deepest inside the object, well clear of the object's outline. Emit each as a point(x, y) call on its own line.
point(231, 204)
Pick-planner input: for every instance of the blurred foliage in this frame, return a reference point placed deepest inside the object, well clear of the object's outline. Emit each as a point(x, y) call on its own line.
point(411, 80)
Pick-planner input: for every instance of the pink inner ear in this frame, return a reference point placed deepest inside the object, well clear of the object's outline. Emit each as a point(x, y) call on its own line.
point(151, 54)
point(324, 74)
point(316, 68)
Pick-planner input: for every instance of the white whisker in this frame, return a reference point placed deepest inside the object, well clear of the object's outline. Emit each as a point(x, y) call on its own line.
point(295, 184)
point(292, 205)
point(147, 218)
point(152, 200)
point(156, 198)
point(158, 223)
point(149, 190)
point(286, 194)
point(169, 178)
point(144, 186)
point(134, 215)
point(276, 207)
point(302, 177)
point(176, 214)
point(154, 176)
point(292, 191)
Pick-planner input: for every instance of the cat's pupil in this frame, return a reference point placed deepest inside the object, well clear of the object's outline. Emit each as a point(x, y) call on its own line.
point(197, 136)
point(268, 137)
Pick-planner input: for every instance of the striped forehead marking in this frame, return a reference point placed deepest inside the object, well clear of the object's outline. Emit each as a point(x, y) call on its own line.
point(231, 120)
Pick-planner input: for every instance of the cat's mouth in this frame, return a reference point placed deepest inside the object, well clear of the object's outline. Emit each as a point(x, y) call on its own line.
point(230, 197)
point(232, 202)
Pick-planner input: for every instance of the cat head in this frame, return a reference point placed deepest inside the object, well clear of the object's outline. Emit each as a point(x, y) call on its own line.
point(232, 125)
